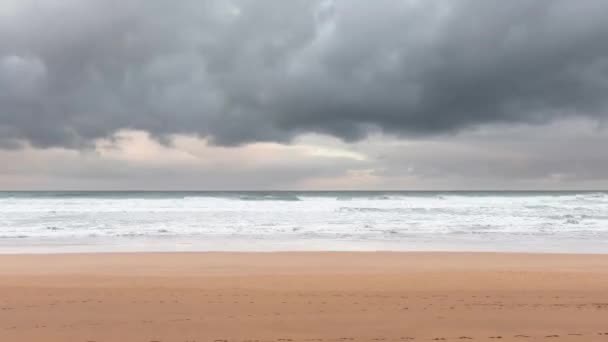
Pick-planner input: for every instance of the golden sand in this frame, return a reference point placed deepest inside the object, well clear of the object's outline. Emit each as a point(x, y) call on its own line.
point(303, 297)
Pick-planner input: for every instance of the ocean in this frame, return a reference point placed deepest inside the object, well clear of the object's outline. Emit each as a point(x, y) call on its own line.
point(517, 221)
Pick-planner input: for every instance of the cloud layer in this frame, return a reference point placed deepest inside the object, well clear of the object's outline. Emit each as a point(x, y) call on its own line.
point(567, 154)
point(243, 71)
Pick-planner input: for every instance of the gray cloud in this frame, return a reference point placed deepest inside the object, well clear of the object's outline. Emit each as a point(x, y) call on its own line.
point(566, 154)
point(240, 71)
point(134, 161)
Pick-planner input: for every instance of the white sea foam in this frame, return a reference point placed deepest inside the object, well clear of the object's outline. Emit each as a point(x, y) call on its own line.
point(563, 222)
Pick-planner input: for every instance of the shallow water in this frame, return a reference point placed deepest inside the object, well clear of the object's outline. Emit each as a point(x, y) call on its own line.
point(270, 221)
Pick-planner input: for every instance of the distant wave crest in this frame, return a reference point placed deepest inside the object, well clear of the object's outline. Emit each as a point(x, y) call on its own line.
point(275, 197)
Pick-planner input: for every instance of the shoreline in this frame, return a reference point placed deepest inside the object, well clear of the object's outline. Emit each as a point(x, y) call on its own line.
point(214, 244)
point(5, 253)
point(303, 252)
point(303, 297)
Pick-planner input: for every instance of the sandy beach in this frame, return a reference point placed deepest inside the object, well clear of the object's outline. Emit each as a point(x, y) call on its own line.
point(303, 297)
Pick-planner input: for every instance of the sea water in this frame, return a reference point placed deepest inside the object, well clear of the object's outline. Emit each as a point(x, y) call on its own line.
point(293, 221)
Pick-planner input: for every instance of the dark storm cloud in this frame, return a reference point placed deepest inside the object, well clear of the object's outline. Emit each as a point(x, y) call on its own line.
point(241, 71)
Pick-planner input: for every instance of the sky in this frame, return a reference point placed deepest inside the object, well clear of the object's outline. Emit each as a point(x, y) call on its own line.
point(303, 94)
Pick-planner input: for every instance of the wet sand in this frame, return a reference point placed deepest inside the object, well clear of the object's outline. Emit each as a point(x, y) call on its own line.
point(303, 297)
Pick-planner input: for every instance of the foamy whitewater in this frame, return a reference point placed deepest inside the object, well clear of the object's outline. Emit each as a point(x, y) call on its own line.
point(285, 221)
